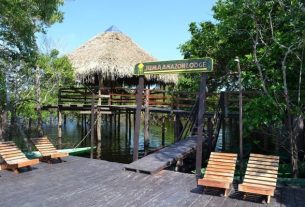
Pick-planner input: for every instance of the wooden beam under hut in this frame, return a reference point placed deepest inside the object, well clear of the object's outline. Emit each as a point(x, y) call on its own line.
point(59, 129)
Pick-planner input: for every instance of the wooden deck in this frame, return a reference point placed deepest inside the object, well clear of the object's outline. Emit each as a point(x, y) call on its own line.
point(159, 160)
point(92, 183)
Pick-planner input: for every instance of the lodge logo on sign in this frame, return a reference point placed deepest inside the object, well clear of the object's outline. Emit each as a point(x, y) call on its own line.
point(175, 66)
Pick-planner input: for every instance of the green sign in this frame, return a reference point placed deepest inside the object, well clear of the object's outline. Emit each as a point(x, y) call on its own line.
point(175, 66)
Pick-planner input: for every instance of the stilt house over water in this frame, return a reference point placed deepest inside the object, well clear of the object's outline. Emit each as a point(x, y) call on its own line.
point(108, 60)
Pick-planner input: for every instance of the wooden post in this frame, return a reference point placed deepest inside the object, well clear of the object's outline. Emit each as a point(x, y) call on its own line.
point(240, 97)
point(138, 118)
point(177, 127)
point(110, 123)
point(201, 111)
point(119, 124)
point(82, 125)
point(176, 134)
point(163, 130)
point(126, 125)
point(224, 106)
point(210, 135)
point(134, 119)
point(115, 124)
point(99, 134)
point(65, 119)
point(129, 125)
point(146, 119)
point(100, 84)
point(59, 129)
point(92, 127)
point(51, 117)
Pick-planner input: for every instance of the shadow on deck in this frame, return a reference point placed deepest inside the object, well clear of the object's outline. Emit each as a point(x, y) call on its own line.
point(83, 182)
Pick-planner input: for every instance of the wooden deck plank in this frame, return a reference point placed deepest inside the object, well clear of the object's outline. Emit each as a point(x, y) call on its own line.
point(158, 161)
point(93, 183)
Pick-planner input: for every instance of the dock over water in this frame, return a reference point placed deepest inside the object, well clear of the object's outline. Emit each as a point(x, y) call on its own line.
point(163, 158)
point(80, 182)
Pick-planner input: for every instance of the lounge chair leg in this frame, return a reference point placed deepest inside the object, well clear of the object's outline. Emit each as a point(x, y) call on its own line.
point(4, 166)
point(205, 189)
point(268, 199)
point(226, 192)
point(245, 195)
point(15, 170)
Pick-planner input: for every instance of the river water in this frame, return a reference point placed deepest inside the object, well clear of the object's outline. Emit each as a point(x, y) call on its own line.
point(115, 146)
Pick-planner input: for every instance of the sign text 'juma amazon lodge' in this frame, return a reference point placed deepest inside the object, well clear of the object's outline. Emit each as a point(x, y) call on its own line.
point(175, 66)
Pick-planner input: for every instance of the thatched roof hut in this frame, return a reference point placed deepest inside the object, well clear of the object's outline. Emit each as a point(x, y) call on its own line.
point(113, 56)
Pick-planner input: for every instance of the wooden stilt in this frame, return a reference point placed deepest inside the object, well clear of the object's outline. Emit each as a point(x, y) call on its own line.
point(59, 130)
point(126, 126)
point(119, 124)
point(82, 125)
point(115, 124)
point(146, 119)
point(92, 127)
point(134, 119)
point(51, 117)
point(65, 119)
point(138, 118)
point(99, 135)
point(163, 131)
point(177, 127)
point(129, 125)
point(110, 123)
point(85, 128)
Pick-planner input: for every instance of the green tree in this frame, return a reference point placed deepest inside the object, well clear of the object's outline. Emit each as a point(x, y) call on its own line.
point(269, 37)
point(20, 20)
point(51, 73)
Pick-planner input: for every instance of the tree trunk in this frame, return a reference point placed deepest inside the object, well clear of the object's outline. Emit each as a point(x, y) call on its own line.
point(3, 125)
point(38, 102)
point(297, 130)
point(292, 135)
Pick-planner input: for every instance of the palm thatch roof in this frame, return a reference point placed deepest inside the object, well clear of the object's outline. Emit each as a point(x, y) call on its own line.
point(112, 55)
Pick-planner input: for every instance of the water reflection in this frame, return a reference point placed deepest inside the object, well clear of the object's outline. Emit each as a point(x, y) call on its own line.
point(117, 142)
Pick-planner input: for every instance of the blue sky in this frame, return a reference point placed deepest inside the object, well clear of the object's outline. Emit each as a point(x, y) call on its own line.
point(158, 26)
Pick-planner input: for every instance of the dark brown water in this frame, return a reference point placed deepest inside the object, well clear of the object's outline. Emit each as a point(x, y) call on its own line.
point(116, 144)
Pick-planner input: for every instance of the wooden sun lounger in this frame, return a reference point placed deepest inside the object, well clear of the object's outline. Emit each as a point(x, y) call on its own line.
point(220, 171)
point(261, 175)
point(13, 158)
point(47, 149)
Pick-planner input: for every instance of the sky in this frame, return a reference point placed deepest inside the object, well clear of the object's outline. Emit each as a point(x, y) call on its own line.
point(157, 26)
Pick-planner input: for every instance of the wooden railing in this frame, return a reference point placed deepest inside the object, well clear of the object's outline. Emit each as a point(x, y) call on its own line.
point(151, 97)
point(125, 96)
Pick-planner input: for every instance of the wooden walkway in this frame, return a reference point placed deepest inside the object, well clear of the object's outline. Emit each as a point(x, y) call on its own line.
point(83, 182)
point(163, 158)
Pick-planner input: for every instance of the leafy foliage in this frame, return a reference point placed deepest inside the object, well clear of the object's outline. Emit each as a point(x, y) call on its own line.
point(269, 38)
point(19, 22)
